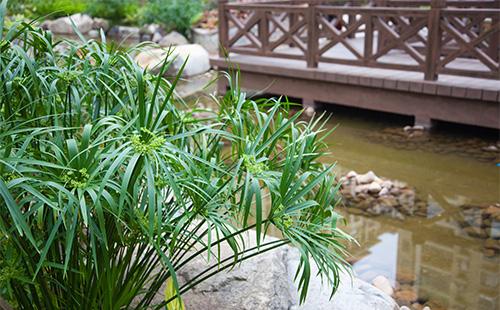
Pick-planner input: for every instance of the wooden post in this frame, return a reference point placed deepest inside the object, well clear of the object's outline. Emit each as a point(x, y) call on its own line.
point(264, 31)
point(434, 40)
point(368, 49)
point(494, 42)
point(351, 19)
point(381, 36)
point(292, 19)
point(223, 29)
point(312, 36)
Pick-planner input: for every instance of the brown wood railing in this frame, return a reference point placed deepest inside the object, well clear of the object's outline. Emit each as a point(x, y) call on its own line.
point(429, 36)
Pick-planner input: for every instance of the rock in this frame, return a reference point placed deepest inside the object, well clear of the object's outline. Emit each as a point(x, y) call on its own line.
point(388, 201)
point(406, 277)
point(156, 37)
point(351, 174)
point(426, 308)
point(384, 191)
point(366, 178)
point(378, 209)
point(363, 188)
point(490, 148)
point(383, 284)
point(407, 128)
point(63, 25)
point(152, 29)
point(45, 24)
point(404, 308)
point(173, 39)
point(386, 184)
point(309, 111)
point(145, 37)
point(208, 38)
point(197, 59)
point(406, 297)
point(100, 23)
point(418, 128)
point(407, 198)
point(125, 33)
point(374, 187)
point(492, 210)
point(93, 34)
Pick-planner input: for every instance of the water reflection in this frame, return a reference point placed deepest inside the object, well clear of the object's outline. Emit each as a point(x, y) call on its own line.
point(450, 272)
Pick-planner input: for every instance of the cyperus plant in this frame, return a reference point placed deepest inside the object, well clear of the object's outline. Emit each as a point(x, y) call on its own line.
point(109, 185)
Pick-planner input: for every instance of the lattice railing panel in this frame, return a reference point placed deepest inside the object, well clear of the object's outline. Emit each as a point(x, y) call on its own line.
point(431, 40)
point(337, 35)
point(469, 37)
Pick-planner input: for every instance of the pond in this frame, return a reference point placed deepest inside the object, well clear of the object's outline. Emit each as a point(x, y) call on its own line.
point(429, 260)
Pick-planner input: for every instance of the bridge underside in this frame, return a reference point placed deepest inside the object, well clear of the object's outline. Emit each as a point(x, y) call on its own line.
point(463, 100)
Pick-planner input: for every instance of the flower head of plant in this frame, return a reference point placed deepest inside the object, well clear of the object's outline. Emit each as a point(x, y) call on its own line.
point(76, 179)
point(282, 220)
point(147, 142)
point(68, 76)
point(252, 165)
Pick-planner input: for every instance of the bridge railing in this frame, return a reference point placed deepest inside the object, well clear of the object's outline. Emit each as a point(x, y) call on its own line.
point(433, 37)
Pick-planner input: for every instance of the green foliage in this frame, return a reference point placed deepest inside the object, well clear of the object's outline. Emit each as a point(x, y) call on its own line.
point(114, 10)
point(109, 185)
point(173, 14)
point(54, 8)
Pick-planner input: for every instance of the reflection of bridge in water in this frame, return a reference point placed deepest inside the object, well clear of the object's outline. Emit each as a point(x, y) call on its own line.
point(450, 267)
point(429, 59)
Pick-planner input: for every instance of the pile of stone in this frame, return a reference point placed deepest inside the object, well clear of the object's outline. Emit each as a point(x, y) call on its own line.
point(370, 195)
point(195, 55)
point(91, 27)
point(482, 222)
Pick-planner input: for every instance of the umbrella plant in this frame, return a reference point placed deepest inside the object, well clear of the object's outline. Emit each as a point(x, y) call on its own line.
point(110, 184)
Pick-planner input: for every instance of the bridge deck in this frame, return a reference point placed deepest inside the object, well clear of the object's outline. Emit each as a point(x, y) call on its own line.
point(467, 100)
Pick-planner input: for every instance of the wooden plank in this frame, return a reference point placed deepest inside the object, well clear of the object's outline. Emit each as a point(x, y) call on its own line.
point(490, 95)
point(473, 93)
point(444, 90)
point(390, 84)
point(458, 92)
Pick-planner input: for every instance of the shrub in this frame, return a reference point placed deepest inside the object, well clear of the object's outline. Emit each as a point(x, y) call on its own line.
point(109, 185)
point(114, 10)
point(54, 8)
point(173, 14)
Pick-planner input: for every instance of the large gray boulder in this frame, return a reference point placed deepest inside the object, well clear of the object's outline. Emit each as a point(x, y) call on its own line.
point(196, 56)
point(63, 25)
point(265, 282)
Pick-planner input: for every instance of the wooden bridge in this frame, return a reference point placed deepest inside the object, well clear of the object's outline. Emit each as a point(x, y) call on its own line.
point(431, 59)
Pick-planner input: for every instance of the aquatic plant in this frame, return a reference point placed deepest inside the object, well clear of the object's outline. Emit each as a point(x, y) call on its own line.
point(106, 192)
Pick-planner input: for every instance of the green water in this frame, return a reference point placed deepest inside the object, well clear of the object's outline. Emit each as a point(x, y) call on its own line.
point(448, 170)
